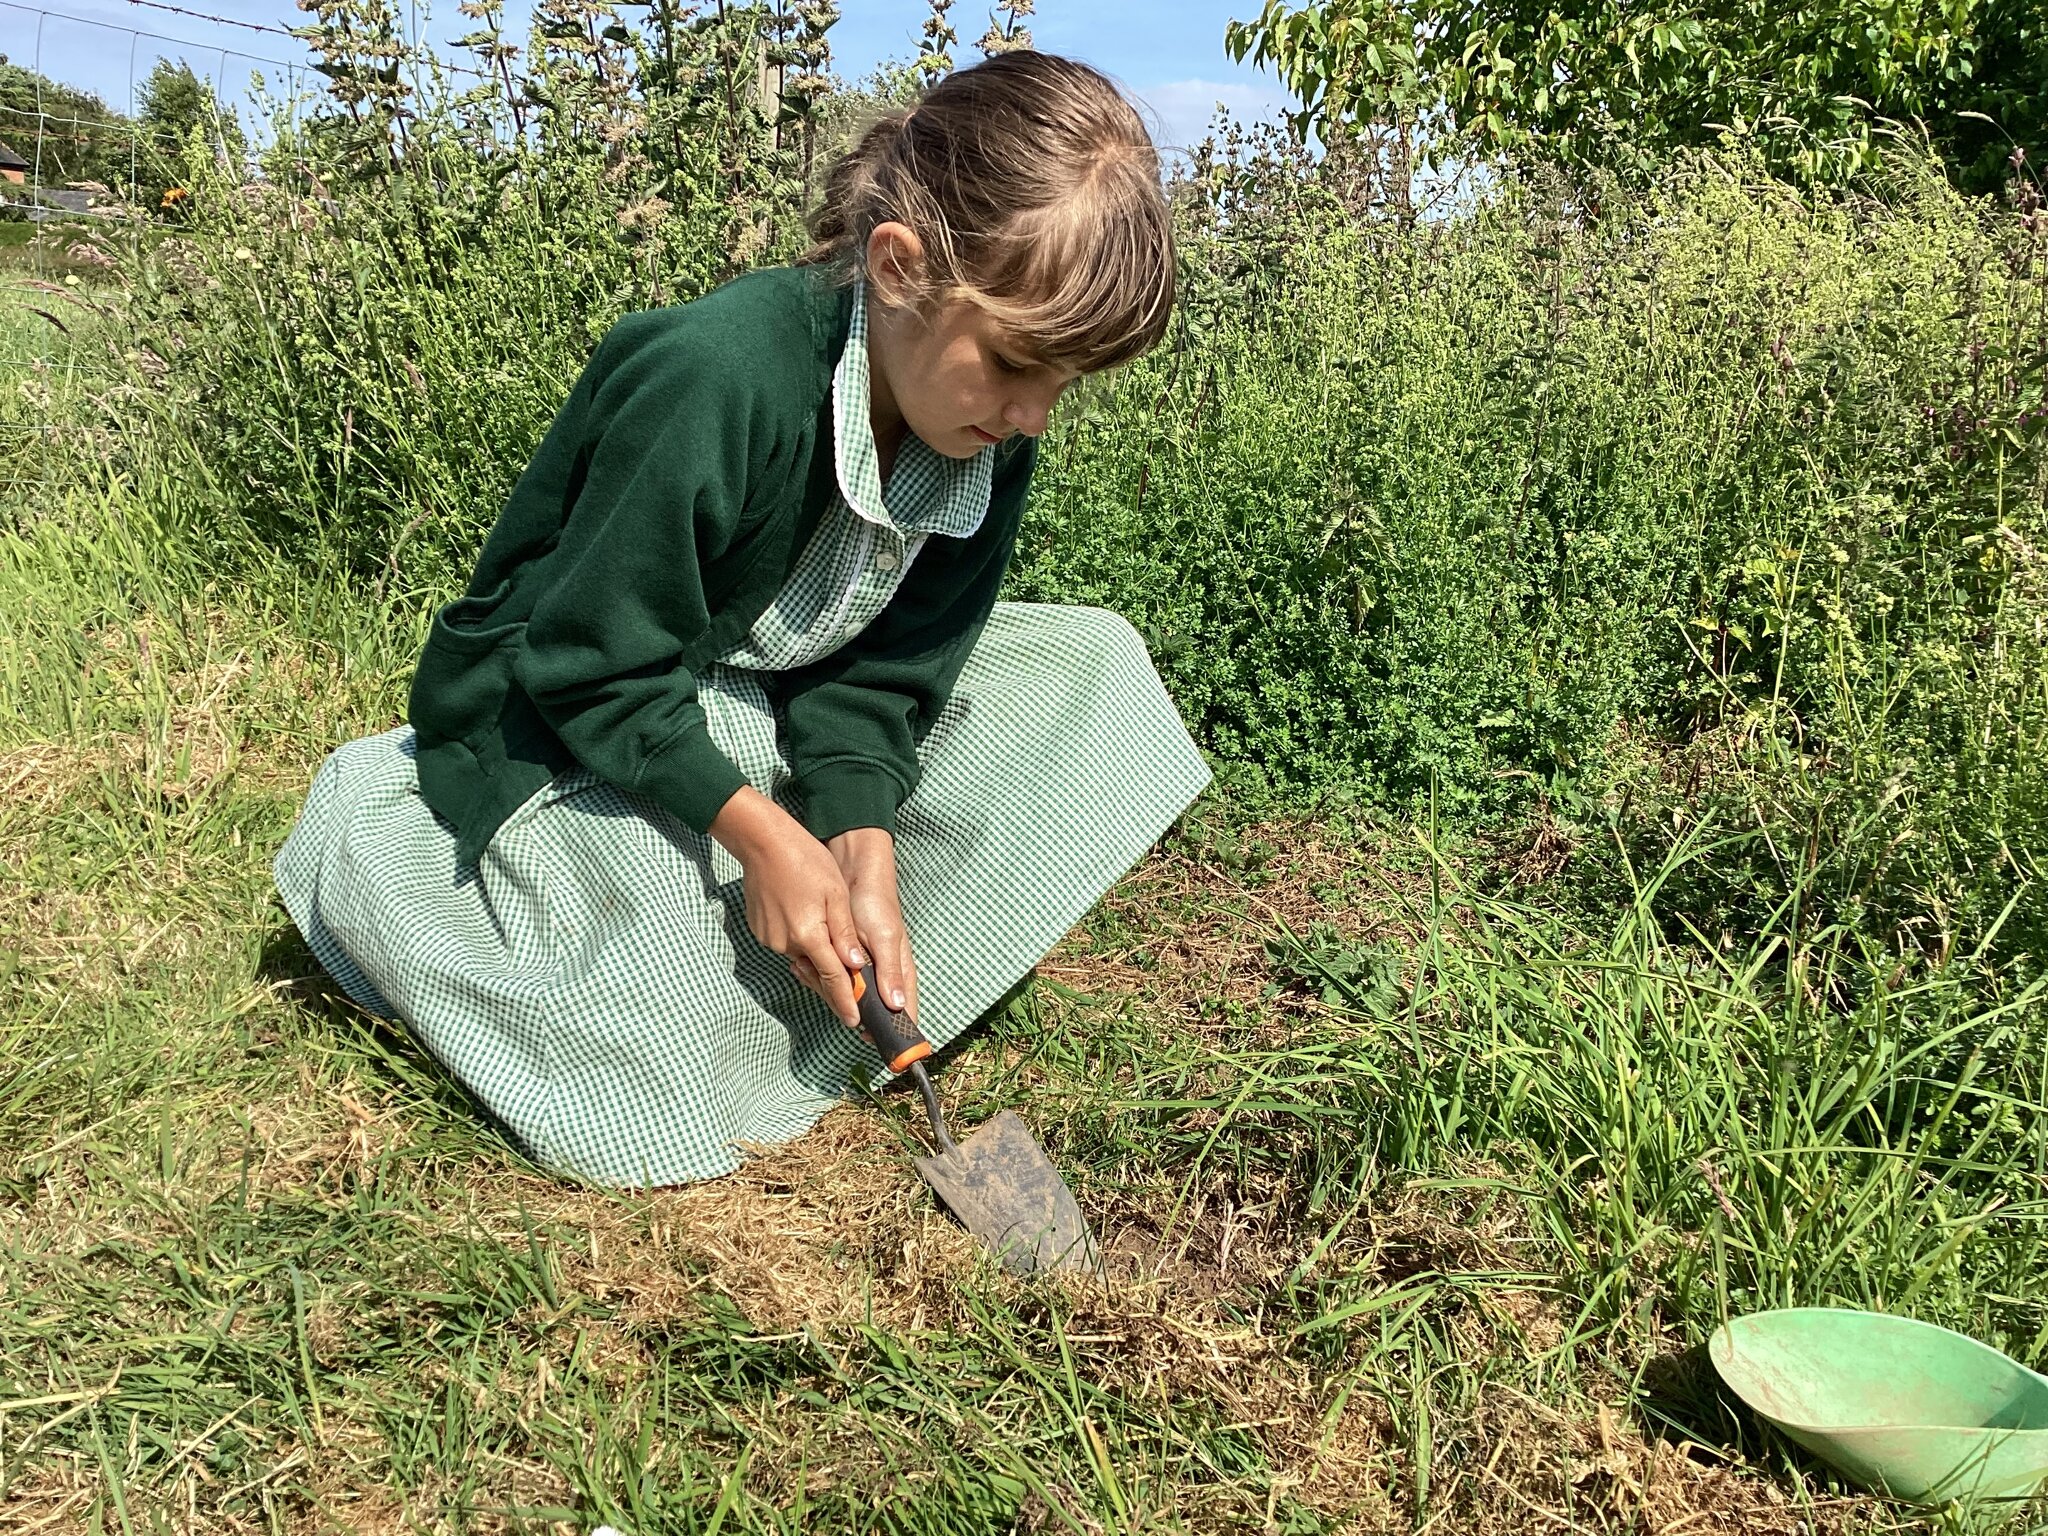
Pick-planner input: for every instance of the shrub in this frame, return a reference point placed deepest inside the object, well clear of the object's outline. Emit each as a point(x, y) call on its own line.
point(1521, 502)
point(353, 356)
point(1481, 511)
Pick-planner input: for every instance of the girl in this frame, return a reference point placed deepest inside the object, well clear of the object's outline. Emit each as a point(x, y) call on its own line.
point(730, 709)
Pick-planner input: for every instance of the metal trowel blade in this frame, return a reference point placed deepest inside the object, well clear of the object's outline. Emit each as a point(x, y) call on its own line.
point(1005, 1190)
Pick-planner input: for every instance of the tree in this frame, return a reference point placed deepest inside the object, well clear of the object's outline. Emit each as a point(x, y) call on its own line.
point(1621, 84)
point(66, 135)
point(175, 108)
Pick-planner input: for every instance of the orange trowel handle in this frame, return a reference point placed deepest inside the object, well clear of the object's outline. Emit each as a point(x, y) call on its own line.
point(895, 1039)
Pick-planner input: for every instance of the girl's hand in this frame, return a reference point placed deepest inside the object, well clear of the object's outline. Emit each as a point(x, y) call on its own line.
point(867, 859)
point(797, 900)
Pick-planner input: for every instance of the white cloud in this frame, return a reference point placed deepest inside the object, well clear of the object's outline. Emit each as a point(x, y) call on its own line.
point(1178, 111)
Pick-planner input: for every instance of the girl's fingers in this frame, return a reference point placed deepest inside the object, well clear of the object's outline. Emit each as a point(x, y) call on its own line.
point(834, 982)
point(847, 950)
point(846, 942)
point(896, 971)
point(896, 974)
point(807, 973)
point(836, 955)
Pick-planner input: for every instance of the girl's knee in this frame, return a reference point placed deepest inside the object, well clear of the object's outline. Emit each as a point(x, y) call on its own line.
point(1106, 635)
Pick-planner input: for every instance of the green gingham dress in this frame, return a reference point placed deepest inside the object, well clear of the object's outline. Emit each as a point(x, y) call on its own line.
point(591, 980)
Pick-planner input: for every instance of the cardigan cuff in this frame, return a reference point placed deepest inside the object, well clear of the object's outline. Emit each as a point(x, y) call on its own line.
point(690, 778)
point(840, 796)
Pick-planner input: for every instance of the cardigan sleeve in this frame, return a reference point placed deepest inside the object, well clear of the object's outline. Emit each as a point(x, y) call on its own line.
point(853, 719)
point(672, 447)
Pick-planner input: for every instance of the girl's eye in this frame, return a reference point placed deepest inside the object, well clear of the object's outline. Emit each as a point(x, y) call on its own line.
point(1010, 365)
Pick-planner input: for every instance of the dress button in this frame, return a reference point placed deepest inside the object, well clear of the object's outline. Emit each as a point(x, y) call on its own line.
point(887, 560)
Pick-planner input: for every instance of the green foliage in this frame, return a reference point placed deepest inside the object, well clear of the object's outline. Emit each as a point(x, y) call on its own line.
point(1683, 544)
point(1714, 499)
point(1342, 1229)
point(800, 50)
point(355, 356)
point(66, 135)
point(1503, 508)
point(1599, 82)
point(1720, 1129)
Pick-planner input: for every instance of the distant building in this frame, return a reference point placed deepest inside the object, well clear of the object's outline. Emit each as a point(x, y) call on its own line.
point(52, 205)
point(12, 167)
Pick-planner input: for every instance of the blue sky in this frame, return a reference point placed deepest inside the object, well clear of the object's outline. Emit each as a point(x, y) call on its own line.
point(1169, 53)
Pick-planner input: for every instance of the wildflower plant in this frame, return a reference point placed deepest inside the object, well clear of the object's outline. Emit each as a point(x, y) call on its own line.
point(935, 52)
point(1006, 30)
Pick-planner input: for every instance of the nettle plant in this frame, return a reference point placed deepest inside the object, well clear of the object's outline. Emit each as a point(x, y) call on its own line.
point(697, 101)
point(361, 344)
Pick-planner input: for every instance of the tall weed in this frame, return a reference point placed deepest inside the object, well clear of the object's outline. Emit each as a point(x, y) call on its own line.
point(356, 353)
point(1694, 1131)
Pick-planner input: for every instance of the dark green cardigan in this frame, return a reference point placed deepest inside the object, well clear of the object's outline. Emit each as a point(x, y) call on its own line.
point(663, 512)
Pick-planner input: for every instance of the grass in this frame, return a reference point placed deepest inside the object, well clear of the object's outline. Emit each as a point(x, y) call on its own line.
point(1396, 1183)
point(51, 314)
point(48, 250)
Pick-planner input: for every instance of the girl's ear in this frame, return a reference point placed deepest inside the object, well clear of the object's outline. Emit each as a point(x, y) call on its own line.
point(895, 265)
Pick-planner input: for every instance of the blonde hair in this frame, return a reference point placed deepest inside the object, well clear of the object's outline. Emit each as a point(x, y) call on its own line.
point(1036, 193)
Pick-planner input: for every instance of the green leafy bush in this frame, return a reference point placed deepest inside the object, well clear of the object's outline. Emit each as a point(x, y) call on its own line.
point(1514, 504)
point(1719, 495)
point(1624, 85)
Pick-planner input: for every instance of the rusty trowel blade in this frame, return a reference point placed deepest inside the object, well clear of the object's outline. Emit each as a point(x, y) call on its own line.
point(1005, 1190)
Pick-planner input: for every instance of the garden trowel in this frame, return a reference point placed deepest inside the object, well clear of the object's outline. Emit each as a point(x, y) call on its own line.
point(998, 1182)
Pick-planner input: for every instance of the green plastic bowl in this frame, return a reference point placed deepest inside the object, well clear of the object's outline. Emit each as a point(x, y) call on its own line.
point(1903, 1407)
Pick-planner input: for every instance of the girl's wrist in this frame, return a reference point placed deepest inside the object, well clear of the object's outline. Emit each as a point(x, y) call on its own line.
point(749, 822)
point(862, 837)
point(858, 845)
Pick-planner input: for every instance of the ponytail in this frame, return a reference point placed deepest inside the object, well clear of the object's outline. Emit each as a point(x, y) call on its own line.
point(851, 185)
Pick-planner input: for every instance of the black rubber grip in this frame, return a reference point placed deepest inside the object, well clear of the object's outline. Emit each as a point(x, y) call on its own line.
point(895, 1038)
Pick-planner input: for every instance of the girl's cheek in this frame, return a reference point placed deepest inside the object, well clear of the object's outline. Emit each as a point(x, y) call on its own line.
point(975, 399)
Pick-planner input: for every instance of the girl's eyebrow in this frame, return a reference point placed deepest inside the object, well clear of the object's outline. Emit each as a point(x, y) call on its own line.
point(1013, 345)
point(1017, 347)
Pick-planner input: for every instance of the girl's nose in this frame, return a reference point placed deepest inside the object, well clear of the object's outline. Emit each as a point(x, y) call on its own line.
point(1029, 414)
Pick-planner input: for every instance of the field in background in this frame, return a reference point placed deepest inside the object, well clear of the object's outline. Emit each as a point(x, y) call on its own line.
point(1617, 623)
